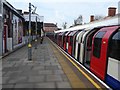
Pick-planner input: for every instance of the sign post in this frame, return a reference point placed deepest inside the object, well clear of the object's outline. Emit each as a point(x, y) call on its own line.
point(36, 34)
point(29, 39)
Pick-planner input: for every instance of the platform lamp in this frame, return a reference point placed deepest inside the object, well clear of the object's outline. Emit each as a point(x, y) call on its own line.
point(36, 34)
point(29, 39)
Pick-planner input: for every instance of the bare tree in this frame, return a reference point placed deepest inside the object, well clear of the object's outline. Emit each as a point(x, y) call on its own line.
point(98, 17)
point(64, 25)
point(78, 21)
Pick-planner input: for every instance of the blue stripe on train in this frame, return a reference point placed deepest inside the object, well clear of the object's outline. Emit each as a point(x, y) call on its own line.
point(115, 84)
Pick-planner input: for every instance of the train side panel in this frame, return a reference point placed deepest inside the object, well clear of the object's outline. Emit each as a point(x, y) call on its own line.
point(113, 68)
point(99, 51)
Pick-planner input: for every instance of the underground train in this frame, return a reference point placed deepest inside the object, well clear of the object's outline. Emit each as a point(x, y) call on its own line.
point(97, 48)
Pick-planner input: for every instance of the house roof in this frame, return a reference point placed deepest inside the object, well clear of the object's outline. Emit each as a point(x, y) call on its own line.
point(5, 3)
point(49, 25)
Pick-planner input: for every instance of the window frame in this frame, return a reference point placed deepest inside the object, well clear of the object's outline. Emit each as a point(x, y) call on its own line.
point(113, 49)
point(97, 44)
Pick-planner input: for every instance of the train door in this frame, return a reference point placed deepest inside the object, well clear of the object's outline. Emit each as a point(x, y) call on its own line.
point(63, 36)
point(5, 38)
point(65, 40)
point(77, 50)
point(80, 48)
point(99, 51)
point(67, 43)
point(55, 37)
point(87, 41)
point(71, 42)
point(60, 42)
point(74, 44)
point(59, 38)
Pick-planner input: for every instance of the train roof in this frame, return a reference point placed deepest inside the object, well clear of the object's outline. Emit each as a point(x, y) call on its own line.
point(104, 22)
point(72, 33)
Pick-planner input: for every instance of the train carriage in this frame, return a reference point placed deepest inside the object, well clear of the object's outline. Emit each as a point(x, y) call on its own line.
point(113, 68)
point(96, 48)
point(101, 64)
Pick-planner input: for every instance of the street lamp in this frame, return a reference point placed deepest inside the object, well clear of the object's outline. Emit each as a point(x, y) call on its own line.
point(36, 34)
point(29, 39)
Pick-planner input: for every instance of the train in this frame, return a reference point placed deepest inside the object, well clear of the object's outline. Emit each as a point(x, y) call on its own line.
point(96, 46)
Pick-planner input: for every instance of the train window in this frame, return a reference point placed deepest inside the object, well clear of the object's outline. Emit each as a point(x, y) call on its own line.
point(89, 41)
point(66, 38)
point(97, 44)
point(114, 49)
point(71, 40)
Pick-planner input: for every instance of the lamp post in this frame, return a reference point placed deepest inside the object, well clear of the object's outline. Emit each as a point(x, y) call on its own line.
point(36, 34)
point(29, 39)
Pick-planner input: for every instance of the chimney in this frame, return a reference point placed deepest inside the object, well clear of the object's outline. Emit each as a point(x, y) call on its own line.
point(91, 18)
point(111, 11)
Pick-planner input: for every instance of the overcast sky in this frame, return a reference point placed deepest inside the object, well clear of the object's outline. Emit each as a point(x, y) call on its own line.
point(59, 11)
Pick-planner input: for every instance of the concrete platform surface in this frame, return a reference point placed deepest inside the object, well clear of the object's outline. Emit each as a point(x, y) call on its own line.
point(49, 68)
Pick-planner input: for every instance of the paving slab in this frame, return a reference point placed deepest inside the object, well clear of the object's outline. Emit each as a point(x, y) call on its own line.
point(45, 85)
point(63, 85)
point(54, 78)
point(43, 71)
point(8, 86)
point(40, 78)
point(25, 85)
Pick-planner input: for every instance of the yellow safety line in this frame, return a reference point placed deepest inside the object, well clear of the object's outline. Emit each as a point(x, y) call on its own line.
point(93, 82)
point(75, 81)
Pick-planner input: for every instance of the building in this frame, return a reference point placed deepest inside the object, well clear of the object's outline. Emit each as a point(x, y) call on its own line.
point(13, 28)
point(50, 28)
point(34, 17)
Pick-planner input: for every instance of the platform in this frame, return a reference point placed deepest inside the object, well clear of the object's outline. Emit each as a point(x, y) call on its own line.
point(49, 68)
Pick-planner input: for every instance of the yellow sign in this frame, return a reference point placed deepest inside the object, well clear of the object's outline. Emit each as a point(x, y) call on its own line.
point(29, 31)
point(29, 45)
